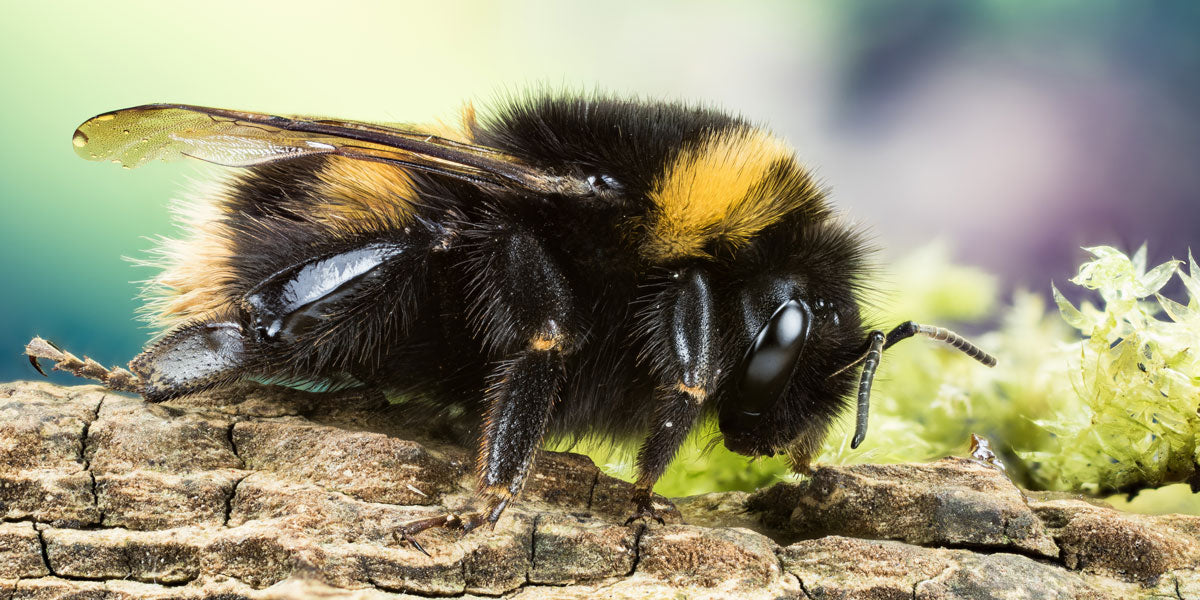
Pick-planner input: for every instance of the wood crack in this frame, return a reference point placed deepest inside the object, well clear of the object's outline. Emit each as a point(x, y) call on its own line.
point(232, 495)
point(85, 436)
point(45, 551)
point(637, 549)
point(533, 536)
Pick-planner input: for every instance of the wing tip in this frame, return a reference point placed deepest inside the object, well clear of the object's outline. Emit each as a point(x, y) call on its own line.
point(83, 145)
point(82, 139)
point(98, 139)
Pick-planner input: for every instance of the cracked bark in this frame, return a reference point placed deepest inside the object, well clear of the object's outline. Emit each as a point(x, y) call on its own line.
point(804, 589)
point(41, 537)
point(229, 500)
point(637, 549)
point(87, 463)
point(233, 443)
point(532, 549)
point(269, 494)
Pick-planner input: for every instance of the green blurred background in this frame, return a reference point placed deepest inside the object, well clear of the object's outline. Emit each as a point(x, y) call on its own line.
point(1014, 131)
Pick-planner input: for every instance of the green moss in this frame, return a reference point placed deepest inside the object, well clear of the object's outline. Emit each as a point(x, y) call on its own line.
point(1132, 421)
point(1095, 399)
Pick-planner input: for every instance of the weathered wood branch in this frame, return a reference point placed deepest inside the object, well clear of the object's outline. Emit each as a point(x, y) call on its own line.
point(270, 494)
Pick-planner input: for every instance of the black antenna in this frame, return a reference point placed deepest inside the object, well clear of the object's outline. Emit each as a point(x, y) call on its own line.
point(870, 362)
point(876, 343)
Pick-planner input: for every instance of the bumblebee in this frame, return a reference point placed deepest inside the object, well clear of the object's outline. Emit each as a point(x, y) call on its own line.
point(566, 265)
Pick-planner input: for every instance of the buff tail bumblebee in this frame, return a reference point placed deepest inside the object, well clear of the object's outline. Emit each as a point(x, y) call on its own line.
point(567, 264)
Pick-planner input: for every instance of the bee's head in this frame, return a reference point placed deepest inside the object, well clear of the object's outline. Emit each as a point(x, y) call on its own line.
point(801, 339)
point(784, 381)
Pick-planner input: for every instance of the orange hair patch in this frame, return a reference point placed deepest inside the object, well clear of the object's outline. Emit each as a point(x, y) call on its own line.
point(723, 190)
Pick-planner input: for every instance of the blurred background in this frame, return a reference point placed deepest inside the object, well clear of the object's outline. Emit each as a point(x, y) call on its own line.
point(1014, 131)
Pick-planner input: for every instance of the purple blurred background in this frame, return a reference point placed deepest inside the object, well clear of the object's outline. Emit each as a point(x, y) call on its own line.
point(1021, 131)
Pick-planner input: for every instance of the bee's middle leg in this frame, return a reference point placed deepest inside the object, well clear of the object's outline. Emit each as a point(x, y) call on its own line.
point(526, 315)
point(520, 395)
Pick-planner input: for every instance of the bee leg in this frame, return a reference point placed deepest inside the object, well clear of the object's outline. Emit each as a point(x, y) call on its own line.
point(529, 308)
point(672, 421)
point(116, 378)
point(520, 397)
point(522, 394)
point(190, 359)
point(406, 531)
point(684, 341)
point(465, 523)
point(526, 314)
point(807, 444)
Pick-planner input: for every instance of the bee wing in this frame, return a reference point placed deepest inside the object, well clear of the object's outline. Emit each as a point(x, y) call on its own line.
point(135, 136)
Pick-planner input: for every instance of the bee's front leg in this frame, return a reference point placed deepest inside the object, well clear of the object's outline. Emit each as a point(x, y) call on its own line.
point(674, 414)
point(683, 345)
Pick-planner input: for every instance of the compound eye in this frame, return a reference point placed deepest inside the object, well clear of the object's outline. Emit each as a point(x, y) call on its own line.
point(767, 366)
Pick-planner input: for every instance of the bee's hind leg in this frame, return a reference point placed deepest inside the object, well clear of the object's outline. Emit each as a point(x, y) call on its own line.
point(191, 358)
point(116, 378)
point(188, 359)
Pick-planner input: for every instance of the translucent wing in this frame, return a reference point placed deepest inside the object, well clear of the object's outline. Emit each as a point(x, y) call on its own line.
point(135, 136)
